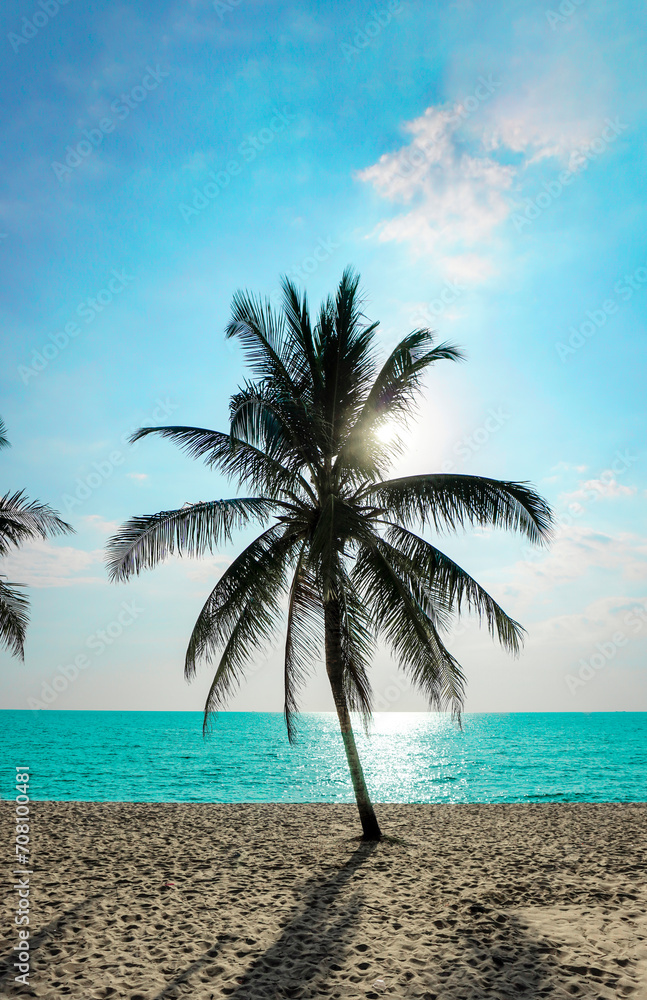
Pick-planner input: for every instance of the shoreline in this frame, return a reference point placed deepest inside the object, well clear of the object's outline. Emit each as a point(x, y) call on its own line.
point(321, 802)
point(250, 900)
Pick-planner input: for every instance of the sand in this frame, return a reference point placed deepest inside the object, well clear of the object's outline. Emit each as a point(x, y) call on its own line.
point(151, 901)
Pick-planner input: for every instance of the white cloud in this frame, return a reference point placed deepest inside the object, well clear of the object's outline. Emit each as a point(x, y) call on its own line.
point(468, 267)
point(538, 138)
point(41, 564)
point(549, 115)
point(139, 477)
point(456, 197)
point(567, 467)
point(197, 164)
point(207, 569)
point(594, 623)
point(100, 524)
point(460, 172)
point(576, 552)
point(605, 487)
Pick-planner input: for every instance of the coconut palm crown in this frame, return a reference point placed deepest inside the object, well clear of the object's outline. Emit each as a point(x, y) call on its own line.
point(21, 520)
point(339, 562)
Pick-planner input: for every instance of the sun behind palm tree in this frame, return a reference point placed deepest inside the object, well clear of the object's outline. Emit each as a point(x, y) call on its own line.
point(20, 521)
point(307, 435)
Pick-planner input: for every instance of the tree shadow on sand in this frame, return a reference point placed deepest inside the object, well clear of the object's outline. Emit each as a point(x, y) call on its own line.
point(496, 955)
point(313, 943)
point(467, 950)
point(50, 932)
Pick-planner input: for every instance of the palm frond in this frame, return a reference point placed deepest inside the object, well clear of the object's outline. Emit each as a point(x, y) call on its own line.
point(280, 428)
point(256, 419)
point(456, 585)
point(450, 502)
point(14, 617)
point(260, 329)
point(234, 457)
point(430, 597)
point(255, 621)
point(392, 396)
point(23, 520)
point(253, 630)
point(304, 637)
point(305, 353)
point(192, 530)
point(249, 578)
point(347, 360)
point(357, 647)
point(4, 440)
point(409, 631)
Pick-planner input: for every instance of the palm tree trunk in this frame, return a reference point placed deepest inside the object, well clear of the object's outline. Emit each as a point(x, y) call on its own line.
point(370, 826)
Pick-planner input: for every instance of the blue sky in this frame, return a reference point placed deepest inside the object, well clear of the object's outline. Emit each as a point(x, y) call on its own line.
point(482, 167)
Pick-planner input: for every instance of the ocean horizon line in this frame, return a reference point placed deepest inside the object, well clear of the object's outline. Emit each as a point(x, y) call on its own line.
point(252, 711)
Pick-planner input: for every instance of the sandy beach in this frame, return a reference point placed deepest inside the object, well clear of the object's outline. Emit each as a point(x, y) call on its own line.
point(151, 901)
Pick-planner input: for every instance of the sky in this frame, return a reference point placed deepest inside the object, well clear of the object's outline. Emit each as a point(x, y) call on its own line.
point(481, 166)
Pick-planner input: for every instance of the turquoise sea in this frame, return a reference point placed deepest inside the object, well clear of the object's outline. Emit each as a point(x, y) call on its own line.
point(409, 757)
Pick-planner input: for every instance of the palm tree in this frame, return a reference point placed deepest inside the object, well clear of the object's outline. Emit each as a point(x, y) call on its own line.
point(21, 520)
point(309, 437)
